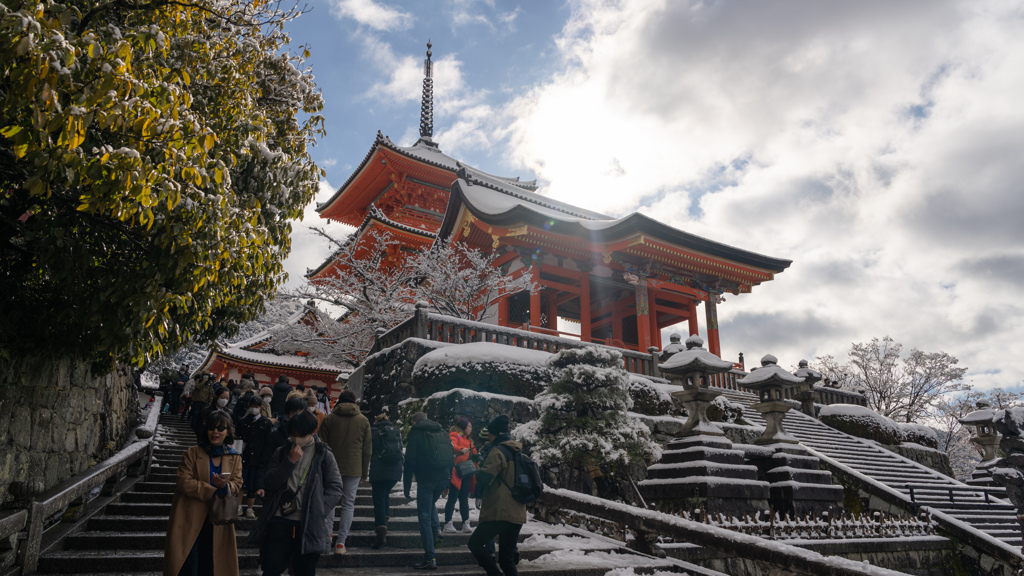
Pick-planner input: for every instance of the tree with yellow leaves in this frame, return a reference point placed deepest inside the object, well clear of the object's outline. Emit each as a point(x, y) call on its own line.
point(152, 154)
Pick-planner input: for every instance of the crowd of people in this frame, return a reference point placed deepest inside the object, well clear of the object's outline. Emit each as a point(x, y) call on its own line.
point(304, 459)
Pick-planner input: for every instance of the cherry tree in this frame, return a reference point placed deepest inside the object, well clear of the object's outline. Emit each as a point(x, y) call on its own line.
point(377, 286)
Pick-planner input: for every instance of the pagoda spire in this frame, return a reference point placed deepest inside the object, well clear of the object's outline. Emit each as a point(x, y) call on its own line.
point(427, 107)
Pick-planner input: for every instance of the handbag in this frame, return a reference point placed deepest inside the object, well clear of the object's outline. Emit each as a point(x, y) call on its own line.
point(465, 469)
point(289, 499)
point(224, 509)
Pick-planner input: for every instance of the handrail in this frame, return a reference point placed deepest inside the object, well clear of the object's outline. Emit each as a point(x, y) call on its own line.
point(52, 501)
point(923, 489)
point(148, 429)
point(952, 526)
point(790, 558)
point(441, 328)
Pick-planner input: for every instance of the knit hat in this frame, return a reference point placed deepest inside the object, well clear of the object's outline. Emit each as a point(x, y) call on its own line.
point(498, 426)
point(266, 390)
point(484, 434)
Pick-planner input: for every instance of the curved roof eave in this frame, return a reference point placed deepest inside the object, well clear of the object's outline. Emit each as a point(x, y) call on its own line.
point(604, 230)
point(417, 152)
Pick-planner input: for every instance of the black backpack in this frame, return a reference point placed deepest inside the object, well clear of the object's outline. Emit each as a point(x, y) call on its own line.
point(527, 486)
point(390, 441)
point(440, 453)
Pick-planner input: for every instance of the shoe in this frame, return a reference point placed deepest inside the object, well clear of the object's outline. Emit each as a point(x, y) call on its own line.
point(339, 548)
point(450, 526)
point(467, 527)
point(426, 565)
point(438, 539)
point(250, 513)
point(382, 538)
point(241, 510)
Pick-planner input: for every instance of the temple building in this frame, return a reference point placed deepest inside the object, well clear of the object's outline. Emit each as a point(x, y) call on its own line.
point(622, 280)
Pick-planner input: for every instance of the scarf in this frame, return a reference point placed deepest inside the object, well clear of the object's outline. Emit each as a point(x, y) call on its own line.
point(216, 451)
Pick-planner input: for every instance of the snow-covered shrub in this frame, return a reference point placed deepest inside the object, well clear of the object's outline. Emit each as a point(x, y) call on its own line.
point(861, 422)
point(485, 367)
point(584, 415)
point(919, 434)
point(724, 410)
point(648, 398)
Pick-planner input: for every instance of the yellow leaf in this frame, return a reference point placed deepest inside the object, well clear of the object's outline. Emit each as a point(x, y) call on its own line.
point(93, 49)
point(186, 78)
point(218, 176)
point(209, 141)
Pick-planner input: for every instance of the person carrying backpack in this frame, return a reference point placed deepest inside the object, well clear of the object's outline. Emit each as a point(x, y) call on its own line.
point(385, 471)
point(501, 515)
point(429, 457)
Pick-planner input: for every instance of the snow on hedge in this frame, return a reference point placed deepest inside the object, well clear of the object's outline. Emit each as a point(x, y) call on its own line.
point(866, 423)
point(482, 352)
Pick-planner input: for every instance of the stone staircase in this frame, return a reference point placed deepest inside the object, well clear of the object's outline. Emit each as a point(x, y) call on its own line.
point(127, 536)
point(996, 517)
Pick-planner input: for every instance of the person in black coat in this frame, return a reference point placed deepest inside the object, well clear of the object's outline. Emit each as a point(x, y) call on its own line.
point(255, 431)
point(385, 472)
point(281, 390)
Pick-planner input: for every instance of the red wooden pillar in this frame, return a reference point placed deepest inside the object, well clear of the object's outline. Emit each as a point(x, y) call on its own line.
point(585, 307)
point(711, 309)
point(643, 316)
point(503, 311)
point(535, 296)
point(692, 320)
point(617, 325)
point(552, 310)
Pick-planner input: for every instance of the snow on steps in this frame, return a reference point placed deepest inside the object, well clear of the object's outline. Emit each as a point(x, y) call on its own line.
point(993, 526)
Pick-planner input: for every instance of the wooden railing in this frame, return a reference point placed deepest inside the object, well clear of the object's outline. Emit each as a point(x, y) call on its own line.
point(440, 328)
point(30, 523)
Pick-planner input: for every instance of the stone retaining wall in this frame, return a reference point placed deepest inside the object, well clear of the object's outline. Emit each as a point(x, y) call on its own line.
point(57, 418)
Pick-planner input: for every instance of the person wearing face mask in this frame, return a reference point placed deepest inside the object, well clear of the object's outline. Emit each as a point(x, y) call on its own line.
point(279, 437)
point(303, 487)
point(220, 402)
point(193, 545)
point(242, 406)
point(347, 432)
point(266, 394)
point(311, 405)
point(255, 431)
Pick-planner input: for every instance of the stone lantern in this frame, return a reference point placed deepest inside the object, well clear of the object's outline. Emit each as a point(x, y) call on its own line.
point(805, 392)
point(986, 437)
point(701, 469)
point(770, 383)
point(798, 485)
point(692, 370)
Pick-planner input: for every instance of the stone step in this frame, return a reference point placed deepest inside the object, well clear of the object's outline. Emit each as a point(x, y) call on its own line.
point(155, 540)
point(164, 509)
point(149, 523)
point(133, 561)
point(144, 496)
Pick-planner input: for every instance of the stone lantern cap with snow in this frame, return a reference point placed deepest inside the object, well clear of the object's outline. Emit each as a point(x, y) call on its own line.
point(695, 361)
point(986, 436)
point(809, 376)
point(770, 381)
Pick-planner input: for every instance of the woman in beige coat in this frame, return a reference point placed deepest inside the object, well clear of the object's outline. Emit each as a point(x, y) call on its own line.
point(194, 546)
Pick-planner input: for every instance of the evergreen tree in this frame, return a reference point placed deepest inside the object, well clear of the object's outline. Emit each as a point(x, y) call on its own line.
point(584, 417)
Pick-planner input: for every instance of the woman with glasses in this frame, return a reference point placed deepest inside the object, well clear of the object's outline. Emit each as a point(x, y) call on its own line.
point(194, 546)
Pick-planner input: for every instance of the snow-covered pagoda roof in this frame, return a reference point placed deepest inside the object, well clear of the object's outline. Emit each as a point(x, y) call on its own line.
point(424, 161)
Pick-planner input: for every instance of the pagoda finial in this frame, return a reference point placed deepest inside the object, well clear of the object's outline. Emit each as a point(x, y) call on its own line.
point(427, 107)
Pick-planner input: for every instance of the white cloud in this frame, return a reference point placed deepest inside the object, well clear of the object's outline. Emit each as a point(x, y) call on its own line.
point(376, 15)
point(876, 144)
point(308, 249)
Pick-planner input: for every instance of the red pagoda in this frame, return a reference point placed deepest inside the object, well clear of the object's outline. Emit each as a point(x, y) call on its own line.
point(621, 279)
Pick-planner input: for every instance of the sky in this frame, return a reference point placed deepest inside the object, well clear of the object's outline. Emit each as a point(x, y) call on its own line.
point(877, 145)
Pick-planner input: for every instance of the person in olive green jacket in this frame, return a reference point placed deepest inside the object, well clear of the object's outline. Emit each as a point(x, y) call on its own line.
point(347, 432)
point(500, 514)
